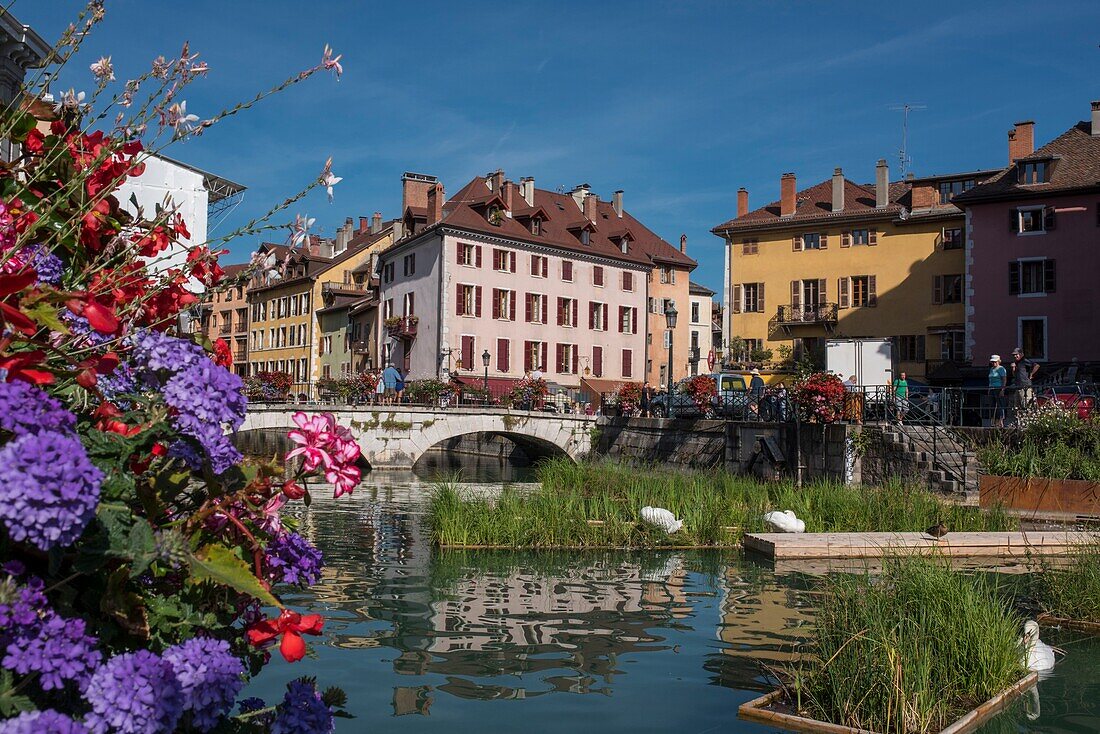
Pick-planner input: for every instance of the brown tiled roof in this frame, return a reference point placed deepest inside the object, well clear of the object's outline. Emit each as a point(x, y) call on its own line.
point(698, 289)
point(816, 203)
point(232, 271)
point(1076, 156)
point(564, 218)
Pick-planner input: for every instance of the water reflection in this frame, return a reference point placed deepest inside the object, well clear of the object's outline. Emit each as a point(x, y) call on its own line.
point(456, 640)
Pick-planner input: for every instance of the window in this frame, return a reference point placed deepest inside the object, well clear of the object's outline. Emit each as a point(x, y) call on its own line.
point(948, 288)
point(811, 241)
point(628, 281)
point(534, 356)
point(536, 225)
point(410, 264)
point(469, 255)
point(695, 313)
point(387, 273)
point(952, 238)
point(409, 305)
point(1033, 172)
point(597, 361)
point(750, 247)
point(1031, 277)
point(949, 189)
point(538, 266)
point(628, 320)
point(1031, 220)
point(855, 290)
point(1033, 337)
point(953, 345)
point(567, 270)
point(567, 312)
point(504, 304)
point(504, 261)
point(495, 215)
point(668, 275)
point(566, 359)
point(911, 348)
point(597, 276)
point(748, 297)
point(586, 237)
point(504, 349)
point(535, 309)
point(469, 300)
point(861, 237)
point(597, 316)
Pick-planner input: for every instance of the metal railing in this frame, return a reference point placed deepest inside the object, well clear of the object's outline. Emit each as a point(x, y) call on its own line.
point(819, 314)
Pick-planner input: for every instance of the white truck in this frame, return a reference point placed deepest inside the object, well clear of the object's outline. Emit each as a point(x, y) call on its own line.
point(870, 360)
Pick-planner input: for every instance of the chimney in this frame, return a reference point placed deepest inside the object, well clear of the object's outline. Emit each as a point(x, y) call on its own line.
point(507, 193)
point(495, 179)
point(435, 204)
point(684, 243)
point(527, 190)
point(1021, 140)
point(376, 223)
point(580, 191)
point(882, 183)
point(314, 245)
point(414, 190)
point(589, 207)
point(1096, 118)
point(742, 201)
point(363, 226)
point(787, 200)
point(617, 203)
point(343, 235)
point(838, 190)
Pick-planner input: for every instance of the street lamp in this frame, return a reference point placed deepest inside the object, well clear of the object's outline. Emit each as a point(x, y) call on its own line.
point(485, 357)
point(444, 361)
point(670, 322)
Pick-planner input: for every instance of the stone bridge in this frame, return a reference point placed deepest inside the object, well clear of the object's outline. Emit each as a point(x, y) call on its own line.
point(395, 437)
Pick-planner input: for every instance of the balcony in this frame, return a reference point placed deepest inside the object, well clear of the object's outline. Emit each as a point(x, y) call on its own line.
point(225, 330)
point(822, 314)
point(402, 326)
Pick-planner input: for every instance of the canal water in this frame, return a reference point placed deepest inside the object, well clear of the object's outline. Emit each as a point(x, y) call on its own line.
point(429, 641)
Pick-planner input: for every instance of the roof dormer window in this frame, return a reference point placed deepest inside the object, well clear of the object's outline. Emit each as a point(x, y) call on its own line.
point(1033, 172)
point(624, 244)
point(586, 237)
point(495, 215)
point(536, 225)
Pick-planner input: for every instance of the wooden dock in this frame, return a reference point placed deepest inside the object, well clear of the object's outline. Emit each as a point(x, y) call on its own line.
point(790, 546)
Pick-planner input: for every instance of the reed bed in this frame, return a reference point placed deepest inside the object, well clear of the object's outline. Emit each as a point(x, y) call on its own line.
point(1071, 590)
point(908, 651)
point(597, 505)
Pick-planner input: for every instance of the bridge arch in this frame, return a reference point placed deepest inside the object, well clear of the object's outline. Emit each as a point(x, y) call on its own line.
point(396, 437)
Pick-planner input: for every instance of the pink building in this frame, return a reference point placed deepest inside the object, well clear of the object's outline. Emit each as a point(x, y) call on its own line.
point(538, 280)
point(1031, 249)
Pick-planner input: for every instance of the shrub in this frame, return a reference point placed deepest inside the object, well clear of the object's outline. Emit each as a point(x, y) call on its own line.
point(629, 397)
point(1054, 443)
point(820, 398)
point(761, 356)
point(428, 392)
point(268, 385)
point(701, 389)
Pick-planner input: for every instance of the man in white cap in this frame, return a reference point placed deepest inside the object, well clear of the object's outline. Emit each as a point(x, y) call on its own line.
point(756, 391)
point(997, 379)
point(1023, 372)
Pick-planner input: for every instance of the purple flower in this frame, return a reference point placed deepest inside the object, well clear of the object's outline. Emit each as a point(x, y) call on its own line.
point(120, 382)
point(154, 351)
point(210, 677)
point(134, 693)
point(49, 266)
point(302, 711)
point(248, 705)
point(49, 489)
point(47, 721)
point(26, 409)
point(20, 604)
point(56, 648)
point(83, 333)
point(291, 559)
point(208, 402)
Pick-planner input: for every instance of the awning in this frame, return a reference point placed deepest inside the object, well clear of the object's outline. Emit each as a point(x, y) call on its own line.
point(596, 386)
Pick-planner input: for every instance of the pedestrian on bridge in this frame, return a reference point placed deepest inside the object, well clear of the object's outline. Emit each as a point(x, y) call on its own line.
point(390, 378)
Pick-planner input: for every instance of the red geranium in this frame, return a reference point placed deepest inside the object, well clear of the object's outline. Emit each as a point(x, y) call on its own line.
point(290, 626)
point(223, 355)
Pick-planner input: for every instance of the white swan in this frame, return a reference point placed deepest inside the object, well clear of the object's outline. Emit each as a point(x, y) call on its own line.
point(785, 522)
point(661, 518)
point(1038, 655)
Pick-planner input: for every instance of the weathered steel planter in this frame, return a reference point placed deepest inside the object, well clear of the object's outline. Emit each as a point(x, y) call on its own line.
point(1040, 495)
point(1080, 625)
point(761, 710)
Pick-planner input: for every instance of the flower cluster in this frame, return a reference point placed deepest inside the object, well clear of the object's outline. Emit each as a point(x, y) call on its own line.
point(291, 559)
point(326, 446)
point(820, 398)
point(528, 392)
point(208, 401)
point(25, 409)
point(303, 711)
point(210, 678)
point(134, 693)
point(629, 397)
point(702, 389)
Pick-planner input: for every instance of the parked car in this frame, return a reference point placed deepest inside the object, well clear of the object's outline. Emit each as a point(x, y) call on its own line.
point(1075, 397)
point(731, 401)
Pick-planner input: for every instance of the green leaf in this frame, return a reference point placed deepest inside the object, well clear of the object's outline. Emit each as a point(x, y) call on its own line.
point(11, 703)
point(219, 564)
point(46, 315)
point(142, 547)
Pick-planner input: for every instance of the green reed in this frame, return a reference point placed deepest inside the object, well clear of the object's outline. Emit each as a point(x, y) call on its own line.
point(598, 504)
point(1071, 590)
point(908, 651)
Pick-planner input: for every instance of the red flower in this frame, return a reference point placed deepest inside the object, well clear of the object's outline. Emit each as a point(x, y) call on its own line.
point(293, 490)
point(21, 366)
point(35, 142)
point(10, 285)
point(291, 626)
point(223, 355)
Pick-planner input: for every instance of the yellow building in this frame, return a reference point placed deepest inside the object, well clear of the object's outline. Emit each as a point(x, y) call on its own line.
point(284, 331)
point(844, 260)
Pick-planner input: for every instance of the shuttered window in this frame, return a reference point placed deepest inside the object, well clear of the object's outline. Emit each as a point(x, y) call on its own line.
point(567, 270)
point(597, 276)
point(503, 354)
point(628, 363)
point(628, 281)
point(467, 358)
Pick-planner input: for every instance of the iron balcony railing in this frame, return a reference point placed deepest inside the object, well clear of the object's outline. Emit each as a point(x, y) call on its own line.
point(823, 313)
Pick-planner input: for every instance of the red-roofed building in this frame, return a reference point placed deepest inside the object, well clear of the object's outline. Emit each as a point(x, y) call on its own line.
point(537, 280)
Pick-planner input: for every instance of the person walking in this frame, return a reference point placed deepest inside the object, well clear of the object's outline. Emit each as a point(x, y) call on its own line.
point(379, 387)
point(901, 397)
point(756, 392)
point(781, 401)
point(853, 400)
point(646, 399)
point(997, 379)
point(400, 387)
point(390, 376)
point(1023, 372)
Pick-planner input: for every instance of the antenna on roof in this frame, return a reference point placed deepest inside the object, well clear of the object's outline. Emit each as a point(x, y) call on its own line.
point(903, 153)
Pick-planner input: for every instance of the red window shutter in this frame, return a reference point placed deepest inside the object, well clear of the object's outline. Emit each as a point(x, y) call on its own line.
point(597, 275)
point(559, 352)
point(496, 303)
point(527, 298)
point(502, 355)
point(560, 321)
point(603, 312)
point(535, 265)
point(458, 252)
point(545, 309)
point(597, 361)
point(467, 352)
point(622, 312)
point(477, 255)
point(512, 305)
point(459, 300)
point(573, 366)
point(633, 321)
point(496, 259)
point(567, 270)
point(477, 301)
point(591, 315)
point(628, 366)
point(512, 262)
point(545, 267)
point(528, 356)
point(628, 281)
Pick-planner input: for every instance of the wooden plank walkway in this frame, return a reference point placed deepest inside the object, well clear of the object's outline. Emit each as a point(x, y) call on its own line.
point(782, 546)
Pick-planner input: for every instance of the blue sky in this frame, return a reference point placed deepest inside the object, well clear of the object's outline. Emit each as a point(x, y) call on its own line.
point(679, 104)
